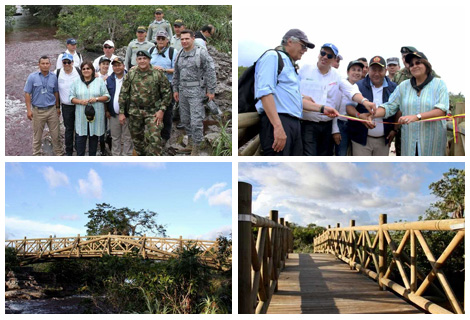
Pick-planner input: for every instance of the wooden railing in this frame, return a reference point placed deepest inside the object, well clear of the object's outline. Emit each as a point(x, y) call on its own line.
point(458, 149)
point(263, 247)
point(248, 134)
point(30, 250)
point(366, 249)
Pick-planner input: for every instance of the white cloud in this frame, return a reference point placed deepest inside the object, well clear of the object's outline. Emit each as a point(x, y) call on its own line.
point(148, 165)
point(213, 234)
point(217, 195)
point(54, 178)
point(16, 228)
point(92, 186)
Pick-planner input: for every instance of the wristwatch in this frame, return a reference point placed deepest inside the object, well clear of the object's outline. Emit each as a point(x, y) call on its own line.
point(364, 99)
point(418, 116)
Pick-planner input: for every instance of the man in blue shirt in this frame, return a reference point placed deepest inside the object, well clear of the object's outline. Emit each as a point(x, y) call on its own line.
point(42, 104)
point(281, 104)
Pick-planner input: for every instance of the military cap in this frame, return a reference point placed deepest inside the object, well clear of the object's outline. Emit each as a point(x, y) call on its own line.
point(143, 53)
point(158, 10)
point(178, 23)
point(378, 60)
point(393, 60)
point(141, 29)
point(416, 54)
point(408, 49)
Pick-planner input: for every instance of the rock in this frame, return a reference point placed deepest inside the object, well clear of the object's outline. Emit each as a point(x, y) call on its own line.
point(211, 137)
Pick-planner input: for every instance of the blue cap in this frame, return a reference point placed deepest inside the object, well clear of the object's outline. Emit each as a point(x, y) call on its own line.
point(332, 47)
point(71, 41)
point(67, 56)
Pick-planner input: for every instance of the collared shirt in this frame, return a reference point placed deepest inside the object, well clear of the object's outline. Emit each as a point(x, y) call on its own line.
point(42, 89)
point(162, 59)
point(285, 88)
point(132, 49)
point(325, 89)
point(77, 61)
point(65, 82)
point(116, 94)
point(345, 101)
point(377, 93)
point(430, 137)
point(176, 43)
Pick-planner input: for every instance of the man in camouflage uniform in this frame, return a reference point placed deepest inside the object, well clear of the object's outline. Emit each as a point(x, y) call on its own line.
point(194, 68)
point(159, 24)
point(147, 93)
point(136, 45)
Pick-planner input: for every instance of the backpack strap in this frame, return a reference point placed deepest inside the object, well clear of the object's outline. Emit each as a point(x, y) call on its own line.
point(152, 50)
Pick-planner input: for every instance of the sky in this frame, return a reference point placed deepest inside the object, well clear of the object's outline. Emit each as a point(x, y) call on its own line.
point(328, 193)
point(193, 200)
point(362, 28)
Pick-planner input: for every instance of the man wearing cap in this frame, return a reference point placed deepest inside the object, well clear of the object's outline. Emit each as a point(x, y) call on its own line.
point(65, 77)
point(108, 49)
point(144, 97)
point(335, 63)
point(201, 36)
point(158, 24)
point(120, 134)
point(42, 104)
point(365, 70)
point(176, 39)
point(393, 65)
point(71, 49)
point(135, 45)
point(280, 103)
point(368, 139)
point(324, 85)
point(194, 79)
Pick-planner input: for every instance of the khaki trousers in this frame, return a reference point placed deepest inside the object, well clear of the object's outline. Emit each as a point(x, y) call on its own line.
point(121, 137)
point(373, 147)
point(41, 117)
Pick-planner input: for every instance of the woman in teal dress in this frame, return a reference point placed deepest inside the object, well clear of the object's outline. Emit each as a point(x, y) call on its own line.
point(422, 97)
point(88, 90)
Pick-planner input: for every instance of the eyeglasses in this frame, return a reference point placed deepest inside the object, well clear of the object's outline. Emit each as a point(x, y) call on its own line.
point(416, 63)
point(328, 55)
point(66, 62)
point(85, 69)
point(161, 38)
point(107, 47)
point(303, 45)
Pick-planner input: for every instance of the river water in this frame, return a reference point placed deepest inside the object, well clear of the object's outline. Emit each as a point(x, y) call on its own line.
point(73, 304)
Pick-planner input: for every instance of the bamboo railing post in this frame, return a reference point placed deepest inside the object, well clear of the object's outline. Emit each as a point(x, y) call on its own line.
point(50, 245)
point(352, 247)
point(78, 245)
point(382, 250)
point(338, 239)
point(283, 243)
point(273, 215)
point(244, 248)
point(181, 242)
point(413, 260)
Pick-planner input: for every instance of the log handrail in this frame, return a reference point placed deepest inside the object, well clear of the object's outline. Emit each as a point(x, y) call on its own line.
point(260, 258)
point(354, 245)
point(247, 130)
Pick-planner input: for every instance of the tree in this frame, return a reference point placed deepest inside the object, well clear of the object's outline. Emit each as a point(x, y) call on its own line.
point(123, 221)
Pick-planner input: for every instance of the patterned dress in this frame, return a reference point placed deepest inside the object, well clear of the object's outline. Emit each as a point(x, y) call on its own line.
point(430, 138)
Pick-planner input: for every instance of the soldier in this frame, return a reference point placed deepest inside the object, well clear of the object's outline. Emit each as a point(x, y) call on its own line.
point(404, 73)
point(135, 45)
point(393, 65)
point(176, 39)
point(144, 97)
point(158, 24)
point(193, 68)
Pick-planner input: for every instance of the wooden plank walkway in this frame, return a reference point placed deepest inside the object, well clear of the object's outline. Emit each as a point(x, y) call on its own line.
point(319, 283)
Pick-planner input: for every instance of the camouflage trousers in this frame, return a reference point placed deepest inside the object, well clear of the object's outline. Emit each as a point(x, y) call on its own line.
point(192, 113)
point(145, 133)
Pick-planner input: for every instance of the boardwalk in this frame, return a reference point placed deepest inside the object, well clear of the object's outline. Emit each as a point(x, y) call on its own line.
point(319, 283)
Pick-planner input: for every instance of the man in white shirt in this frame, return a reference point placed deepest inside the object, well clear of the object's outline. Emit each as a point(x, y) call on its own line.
point(323, 84)
point(71, 49)
point(66, 76)
point(108, 49)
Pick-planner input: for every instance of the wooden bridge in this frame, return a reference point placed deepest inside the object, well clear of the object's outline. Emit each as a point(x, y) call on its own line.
point(42, 249)
point(356, 269)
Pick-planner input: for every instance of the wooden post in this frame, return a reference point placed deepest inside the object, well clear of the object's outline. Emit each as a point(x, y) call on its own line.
point(244, 248)
point(382, 250)
point(78, 245)
point(181, 243)
point(283, 244)
point(273, 215)
point(351, 245)
point(413, 259)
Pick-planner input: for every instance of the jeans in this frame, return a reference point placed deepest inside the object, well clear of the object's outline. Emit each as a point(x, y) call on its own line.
point(81, 143)
point(68, 114)
point(317, 138)
point(342, 148)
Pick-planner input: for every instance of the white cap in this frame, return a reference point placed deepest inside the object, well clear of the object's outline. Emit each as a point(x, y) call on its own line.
point(109, 43)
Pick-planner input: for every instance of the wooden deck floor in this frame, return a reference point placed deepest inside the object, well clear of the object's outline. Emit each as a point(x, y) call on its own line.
point(319, 283)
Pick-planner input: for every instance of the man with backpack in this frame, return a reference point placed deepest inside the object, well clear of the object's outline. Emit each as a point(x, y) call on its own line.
point(66, 76)
point(280, 103)
point(194, 79)
point(71, 49)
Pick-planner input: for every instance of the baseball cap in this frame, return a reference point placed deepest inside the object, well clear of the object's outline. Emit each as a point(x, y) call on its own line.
point(378, 60)
point(161, 33)
point(340, 57)
point(67, 56)
point(355, 63)
point(332, 47)
point(71, 41)
point(143, 53)
point(408, 49)
point(417, 54)
point(178, 23)
point(299, 34)
point(393, 60)
point(109, 43)
point(104, 58)
point(158, 10)
point(118, 60)
point(141, 29)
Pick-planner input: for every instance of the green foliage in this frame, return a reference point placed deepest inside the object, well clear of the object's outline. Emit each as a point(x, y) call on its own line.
point(11, 260)
point(222, 146)
point(224, 252)
point(45, 14)
point(123, 221)
point(303, 236)
point(9, 13)
point(119, 23)
point(454, 99)
point(241, 70)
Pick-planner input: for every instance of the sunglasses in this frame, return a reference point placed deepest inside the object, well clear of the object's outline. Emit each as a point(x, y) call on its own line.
point(67, 62)
point(84, 69)
point(107, 47)
point(417, 63)
point(161, 38)
point(328, 55)
point(303, 45)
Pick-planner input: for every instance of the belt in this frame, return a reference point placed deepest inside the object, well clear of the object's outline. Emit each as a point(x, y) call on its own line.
point(67, 105)
point(317, 122)
point(44, 108)
point(375, 137)
point(192, 84)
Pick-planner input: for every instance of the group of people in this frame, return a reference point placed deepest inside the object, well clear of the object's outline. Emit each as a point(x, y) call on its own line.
point(315, 111)
point(133, 96)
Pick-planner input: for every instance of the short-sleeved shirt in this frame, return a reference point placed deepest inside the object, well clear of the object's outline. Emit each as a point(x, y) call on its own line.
point(162, 59)
point(42, 89)
point(285, 88)
point(65, 83)
point(77, 60)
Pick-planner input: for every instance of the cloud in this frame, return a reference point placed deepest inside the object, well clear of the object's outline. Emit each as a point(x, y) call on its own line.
point(214, 234)
point(91, 187)
point(217, 195)
point(54, 178)
point(16, 228)
point(14, 169)
point(148, 165)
